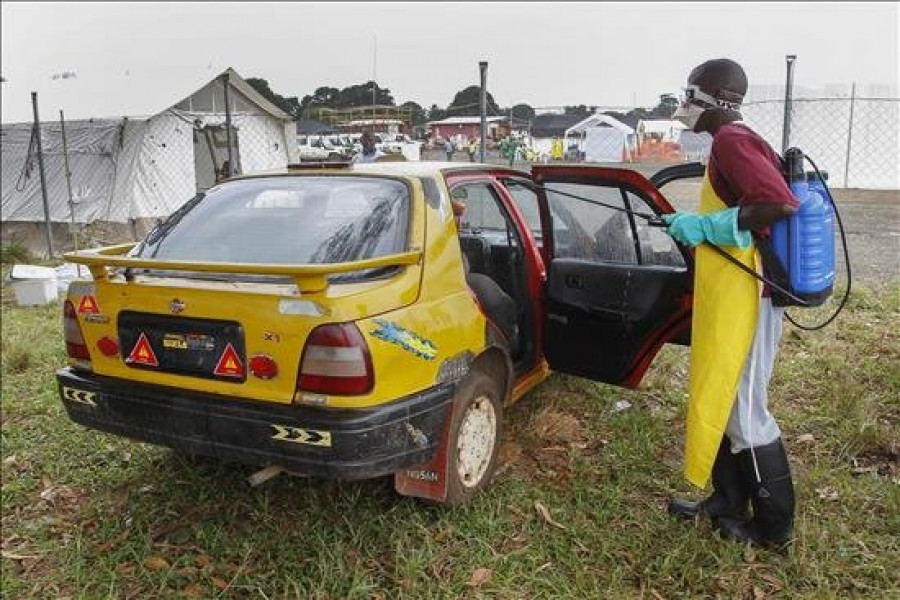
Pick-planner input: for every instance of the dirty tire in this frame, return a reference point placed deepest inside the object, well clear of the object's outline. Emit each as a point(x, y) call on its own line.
point(475, 433)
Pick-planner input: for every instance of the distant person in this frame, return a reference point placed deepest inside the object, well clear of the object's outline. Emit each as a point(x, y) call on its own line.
point(369, 152)
point(472, 149)
point(448, 148)
point(556, 149)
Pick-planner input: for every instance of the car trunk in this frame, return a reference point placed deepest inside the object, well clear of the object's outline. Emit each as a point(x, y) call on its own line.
point(202, 335)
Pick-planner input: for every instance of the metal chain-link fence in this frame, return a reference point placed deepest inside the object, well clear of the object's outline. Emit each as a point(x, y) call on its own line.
point(856, 139)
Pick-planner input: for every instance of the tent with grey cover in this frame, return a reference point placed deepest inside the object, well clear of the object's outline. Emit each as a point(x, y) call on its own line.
point(135, 154)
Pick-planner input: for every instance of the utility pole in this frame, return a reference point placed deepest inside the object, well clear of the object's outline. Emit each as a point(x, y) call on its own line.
point(40, 153)
point(482, 67)
point(374, 76)
point(65, 149)
point(788, 103)
point(227, 84)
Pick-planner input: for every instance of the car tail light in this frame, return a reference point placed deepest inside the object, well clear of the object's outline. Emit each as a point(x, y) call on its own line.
point(336, 361)
point(263, 366)
point(75, 346)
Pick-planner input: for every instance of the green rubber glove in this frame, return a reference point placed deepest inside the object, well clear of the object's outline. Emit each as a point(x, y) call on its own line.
point(719, 228)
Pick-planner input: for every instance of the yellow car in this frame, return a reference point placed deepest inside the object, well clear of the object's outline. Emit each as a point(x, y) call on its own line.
point(337, 320)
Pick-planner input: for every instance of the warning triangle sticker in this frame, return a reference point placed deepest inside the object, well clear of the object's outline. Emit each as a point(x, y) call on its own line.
point(230, 364)
point(142, 354)
point(88, 304)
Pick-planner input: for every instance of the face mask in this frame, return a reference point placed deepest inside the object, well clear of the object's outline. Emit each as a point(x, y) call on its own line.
point(688, 114)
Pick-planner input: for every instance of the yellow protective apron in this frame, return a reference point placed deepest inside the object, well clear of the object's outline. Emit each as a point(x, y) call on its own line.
point(726, 304)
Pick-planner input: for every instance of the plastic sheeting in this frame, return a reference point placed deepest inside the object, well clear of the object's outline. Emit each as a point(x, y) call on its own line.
point(124, 169)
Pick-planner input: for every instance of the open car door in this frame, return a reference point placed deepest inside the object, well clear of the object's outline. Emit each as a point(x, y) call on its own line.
point(617, 289)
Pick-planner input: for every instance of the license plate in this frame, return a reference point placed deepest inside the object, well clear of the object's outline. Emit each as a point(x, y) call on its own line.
point(189, 341)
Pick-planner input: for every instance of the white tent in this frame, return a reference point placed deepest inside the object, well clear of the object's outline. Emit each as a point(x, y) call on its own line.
point(132, 163)
point(603, 138)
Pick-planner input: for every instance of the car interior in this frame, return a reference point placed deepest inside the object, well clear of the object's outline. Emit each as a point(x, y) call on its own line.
point(496, 272)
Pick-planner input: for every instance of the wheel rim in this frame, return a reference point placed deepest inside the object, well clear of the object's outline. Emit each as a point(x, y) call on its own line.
point(476, 440)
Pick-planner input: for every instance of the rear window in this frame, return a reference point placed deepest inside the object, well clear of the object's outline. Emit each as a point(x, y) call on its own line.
point(286, 220)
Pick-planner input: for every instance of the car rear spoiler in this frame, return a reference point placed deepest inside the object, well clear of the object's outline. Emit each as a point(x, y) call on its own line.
point(309, 277)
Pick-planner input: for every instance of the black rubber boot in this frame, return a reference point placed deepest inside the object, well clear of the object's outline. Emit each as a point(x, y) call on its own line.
point(729, 497)
point(772, 497)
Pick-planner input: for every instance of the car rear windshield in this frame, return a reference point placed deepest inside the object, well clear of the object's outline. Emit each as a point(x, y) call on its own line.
point(286, 220)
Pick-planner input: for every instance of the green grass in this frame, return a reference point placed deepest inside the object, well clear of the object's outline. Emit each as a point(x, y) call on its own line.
point(87, 515)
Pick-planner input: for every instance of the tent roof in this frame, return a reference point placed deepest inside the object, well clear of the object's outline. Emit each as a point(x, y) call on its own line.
point(92, 94)
point(597, 120)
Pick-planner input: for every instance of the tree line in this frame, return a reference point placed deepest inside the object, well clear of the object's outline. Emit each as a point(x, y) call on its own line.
point(465, 103)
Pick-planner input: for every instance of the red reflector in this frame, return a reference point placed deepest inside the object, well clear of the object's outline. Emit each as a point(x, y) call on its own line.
point(263, 366)
point(75, 346)
point(108, 346)
point(230, 364)
point(142, 353)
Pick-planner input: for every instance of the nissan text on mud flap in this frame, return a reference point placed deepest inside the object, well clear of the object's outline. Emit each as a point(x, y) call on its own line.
point(334, 320)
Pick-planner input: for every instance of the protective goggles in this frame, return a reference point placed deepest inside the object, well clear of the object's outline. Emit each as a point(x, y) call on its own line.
point(694, 95)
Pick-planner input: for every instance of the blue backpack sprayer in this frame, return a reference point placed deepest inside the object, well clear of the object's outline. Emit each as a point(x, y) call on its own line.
point(799, 259)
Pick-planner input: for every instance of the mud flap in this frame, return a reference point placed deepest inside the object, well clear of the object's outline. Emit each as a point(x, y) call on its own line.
point(429, 479)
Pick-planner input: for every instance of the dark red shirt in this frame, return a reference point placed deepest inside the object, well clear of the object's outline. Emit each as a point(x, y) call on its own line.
point(745, 170)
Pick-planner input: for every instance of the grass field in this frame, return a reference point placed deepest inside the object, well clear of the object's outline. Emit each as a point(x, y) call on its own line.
point(577, 510)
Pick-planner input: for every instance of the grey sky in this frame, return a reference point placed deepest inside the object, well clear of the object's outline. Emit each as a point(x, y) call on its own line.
point(540, 53)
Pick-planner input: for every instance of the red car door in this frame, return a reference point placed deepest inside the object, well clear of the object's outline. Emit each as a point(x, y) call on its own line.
point(617, 288)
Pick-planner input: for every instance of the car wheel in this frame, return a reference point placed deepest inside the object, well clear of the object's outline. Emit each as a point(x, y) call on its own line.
point(334, 157)
point(474, 443)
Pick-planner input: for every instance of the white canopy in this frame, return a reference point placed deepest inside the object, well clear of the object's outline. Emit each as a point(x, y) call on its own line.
point(597, 120)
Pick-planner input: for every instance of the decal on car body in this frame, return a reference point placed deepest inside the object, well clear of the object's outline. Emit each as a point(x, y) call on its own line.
point(296, 435)
point(409, 341)
point(79, 396)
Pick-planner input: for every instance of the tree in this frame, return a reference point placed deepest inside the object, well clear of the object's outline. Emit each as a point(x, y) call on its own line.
point(290, 104)
point(361, 95)
point(523, 112)
point(435, 113)
point(467, 102)
point(323, 96)
point(667, 106)
point(416, 112)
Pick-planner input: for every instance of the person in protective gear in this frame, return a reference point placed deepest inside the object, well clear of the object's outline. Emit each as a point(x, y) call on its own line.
point(732, 438)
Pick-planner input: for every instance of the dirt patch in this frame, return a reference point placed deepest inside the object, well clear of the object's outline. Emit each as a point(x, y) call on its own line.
point(554, 427)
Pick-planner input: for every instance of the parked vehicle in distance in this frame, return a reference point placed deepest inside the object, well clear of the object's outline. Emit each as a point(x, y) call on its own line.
point(304, 319)
point(315, 148)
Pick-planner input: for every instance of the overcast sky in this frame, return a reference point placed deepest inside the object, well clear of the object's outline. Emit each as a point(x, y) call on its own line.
point(540, 53)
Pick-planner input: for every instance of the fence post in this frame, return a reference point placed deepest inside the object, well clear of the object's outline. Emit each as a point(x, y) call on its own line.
point(40, 153)
point(788, 103)
point(849, 134)
point(227, 84)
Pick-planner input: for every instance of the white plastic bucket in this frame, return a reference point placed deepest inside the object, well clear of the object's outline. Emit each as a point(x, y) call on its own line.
point(32, 285)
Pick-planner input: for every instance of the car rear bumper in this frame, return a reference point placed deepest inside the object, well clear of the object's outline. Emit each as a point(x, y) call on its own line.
point(335, 443)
